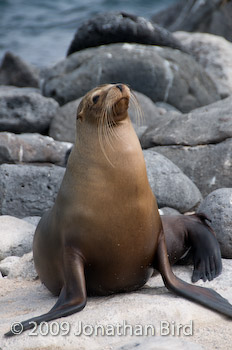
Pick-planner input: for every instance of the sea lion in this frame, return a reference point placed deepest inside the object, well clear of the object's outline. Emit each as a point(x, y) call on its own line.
point(189, 238)
point(104, 233)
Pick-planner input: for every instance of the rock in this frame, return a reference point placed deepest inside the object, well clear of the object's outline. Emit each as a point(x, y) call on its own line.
point(208, 16)
point(23, 111)
point(144, 114)
point(34, 220)
point(165, 107)
point(218, 208)
point(167, 16)
point(16, 236)
point(214, 54)
point(32, 148)
point(19, 267)
point(209, 129)
point(7, 263)
point(118, 27)
point(168, 211)
point(208, 166)
point(63, 125)
point(28, 190)
point(148, 306)
point(199, 143)
point(140, 130)
point(220, 21)
point(187, 15)
point(206, 125)
point(171, 187)
point(149, 110)
point(14, 71)
point(162, 74)
point(9, 88)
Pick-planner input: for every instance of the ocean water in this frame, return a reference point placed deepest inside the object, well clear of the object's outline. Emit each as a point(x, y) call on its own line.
point(40, 31)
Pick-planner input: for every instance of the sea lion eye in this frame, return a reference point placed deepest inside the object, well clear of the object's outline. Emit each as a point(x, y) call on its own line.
point(95, 98)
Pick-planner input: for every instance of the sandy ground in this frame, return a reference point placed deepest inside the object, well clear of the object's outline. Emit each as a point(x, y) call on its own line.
point(20, 300)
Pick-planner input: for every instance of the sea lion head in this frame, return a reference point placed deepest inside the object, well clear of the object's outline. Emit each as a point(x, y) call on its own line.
point(106, 104)
point(105, 110)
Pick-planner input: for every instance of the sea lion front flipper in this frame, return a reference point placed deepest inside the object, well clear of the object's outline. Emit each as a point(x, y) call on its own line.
point(72, 297)
point(204, 296)
point(205, 249)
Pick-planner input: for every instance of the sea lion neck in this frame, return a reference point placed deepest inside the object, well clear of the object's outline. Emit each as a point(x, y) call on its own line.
point(105, 150)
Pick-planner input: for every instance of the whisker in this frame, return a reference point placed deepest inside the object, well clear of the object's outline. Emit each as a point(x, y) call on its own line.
point(138, 110)
point(107, 131)
point(101, 134)
point(113, 125)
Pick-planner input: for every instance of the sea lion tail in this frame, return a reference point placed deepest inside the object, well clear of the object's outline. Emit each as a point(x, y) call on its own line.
point(204, 296)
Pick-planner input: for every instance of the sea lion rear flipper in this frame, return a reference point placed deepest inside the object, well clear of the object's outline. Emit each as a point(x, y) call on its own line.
point(205, 249)
point(204, 296)
point(72, 297)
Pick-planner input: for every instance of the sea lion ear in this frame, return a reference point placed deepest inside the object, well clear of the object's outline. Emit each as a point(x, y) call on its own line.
point(80, 111)
point(80, 115)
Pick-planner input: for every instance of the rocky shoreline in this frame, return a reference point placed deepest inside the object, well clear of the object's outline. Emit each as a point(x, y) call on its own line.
point(186, 135)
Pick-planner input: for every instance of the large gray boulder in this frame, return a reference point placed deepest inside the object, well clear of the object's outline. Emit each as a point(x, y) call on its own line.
point(28, 190)
point(14, 71)
point(32, 148)
point(144, 115)
point(25, 111)
point(63, 125)
point(208, 16)
point(118, 27)
point(214, 53)
point(16, 236)
point(196, 16)
point(34, 220)
point(171, 187)
point(163, 74)
point(199, 143)
point(206, 125)
point(208, 166)
point(218, 208)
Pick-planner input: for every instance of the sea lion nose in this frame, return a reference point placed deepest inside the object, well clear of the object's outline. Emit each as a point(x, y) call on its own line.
point(119, 86)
